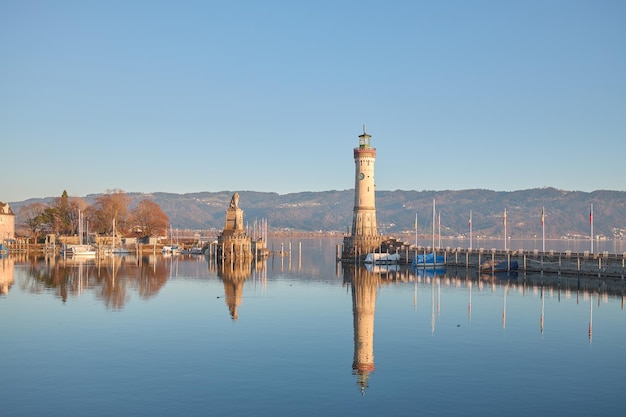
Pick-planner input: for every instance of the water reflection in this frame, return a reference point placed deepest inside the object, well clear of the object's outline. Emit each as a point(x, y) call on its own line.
point(7, 274)
point(204, 362)
point(234, 274)
point(364, 284)
point(111, 279)
point(366, 280)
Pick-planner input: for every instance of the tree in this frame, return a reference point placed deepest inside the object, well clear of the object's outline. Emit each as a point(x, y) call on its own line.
point(112, 205)
point(33, 217)
point(149, 219)
point(66, 213)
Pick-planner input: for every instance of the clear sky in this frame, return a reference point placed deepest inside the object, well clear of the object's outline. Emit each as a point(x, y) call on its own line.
point(191, 96)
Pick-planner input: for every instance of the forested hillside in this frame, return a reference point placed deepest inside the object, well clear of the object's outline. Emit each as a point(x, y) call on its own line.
point(566, 212)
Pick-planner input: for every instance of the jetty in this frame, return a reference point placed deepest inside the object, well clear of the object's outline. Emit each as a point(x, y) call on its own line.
point(603, 264)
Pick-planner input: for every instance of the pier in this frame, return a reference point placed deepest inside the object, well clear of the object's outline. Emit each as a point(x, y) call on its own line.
point(605, 264)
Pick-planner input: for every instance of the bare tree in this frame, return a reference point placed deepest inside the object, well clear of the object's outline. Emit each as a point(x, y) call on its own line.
point(112, 205)
point(149, 219)
point(33, 217)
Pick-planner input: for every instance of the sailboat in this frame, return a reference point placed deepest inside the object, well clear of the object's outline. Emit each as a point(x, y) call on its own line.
point(81, 249)
point(114, 249)
point(430, 260)
point(171, 248)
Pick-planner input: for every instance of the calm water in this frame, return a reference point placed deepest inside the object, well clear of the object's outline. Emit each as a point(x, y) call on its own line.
point(303, 336)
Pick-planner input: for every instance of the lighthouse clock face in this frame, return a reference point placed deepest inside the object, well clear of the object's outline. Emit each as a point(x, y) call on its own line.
point(361, 176)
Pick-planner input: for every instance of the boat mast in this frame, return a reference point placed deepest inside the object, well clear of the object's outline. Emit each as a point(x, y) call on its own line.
point(439, 227)
point(80, 227)
point(434, 223)
point(416, 229)
point(470, 227)
point(591, 224)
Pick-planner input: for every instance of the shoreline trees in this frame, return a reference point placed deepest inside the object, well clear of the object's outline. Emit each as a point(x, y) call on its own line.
point(61, 216)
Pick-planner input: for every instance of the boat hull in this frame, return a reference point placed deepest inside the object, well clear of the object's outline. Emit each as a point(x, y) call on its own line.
point(499, 266)
point(428, 261)
point(382, 258)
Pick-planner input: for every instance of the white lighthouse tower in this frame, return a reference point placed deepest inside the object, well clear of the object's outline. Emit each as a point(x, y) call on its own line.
point(364, 234)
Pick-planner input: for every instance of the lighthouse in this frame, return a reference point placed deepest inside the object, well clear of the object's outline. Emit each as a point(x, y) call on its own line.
point(364, 236)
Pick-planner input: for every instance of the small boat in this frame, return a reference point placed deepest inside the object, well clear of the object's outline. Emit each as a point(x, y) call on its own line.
point(382, 258)
point(196, 250)
point(428, 260)
point(172, 249)
point(499, 266)
point(78, 250)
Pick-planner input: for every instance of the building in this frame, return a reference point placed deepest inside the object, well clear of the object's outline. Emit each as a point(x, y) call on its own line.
point(7, 223)
point(364, 237)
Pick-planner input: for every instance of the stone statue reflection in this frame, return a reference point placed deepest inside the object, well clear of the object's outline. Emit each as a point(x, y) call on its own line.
point(234, 275)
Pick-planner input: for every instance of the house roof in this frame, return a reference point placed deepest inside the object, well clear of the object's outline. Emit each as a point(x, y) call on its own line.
point(5, 209)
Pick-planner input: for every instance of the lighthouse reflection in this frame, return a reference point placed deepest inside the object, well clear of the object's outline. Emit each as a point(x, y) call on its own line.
point(364, 284)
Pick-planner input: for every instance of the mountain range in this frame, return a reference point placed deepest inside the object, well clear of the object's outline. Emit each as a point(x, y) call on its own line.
point(566, 213)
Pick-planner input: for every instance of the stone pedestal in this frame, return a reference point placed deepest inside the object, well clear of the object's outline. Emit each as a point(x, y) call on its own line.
point(233, 241)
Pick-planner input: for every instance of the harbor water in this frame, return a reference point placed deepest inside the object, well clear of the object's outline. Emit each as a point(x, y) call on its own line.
point(301, 334)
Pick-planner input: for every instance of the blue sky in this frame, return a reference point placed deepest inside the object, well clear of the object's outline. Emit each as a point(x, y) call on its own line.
point(191, 96)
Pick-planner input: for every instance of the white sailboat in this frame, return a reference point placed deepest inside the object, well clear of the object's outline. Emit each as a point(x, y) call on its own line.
point(171, 248)
point(114, 249)
point(82, 249)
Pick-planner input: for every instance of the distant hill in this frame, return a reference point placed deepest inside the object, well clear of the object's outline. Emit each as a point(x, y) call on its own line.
point(566, 212)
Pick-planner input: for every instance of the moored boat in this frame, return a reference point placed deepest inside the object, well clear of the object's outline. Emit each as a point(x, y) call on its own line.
point(382, 258)
point(78, 250)
point(171, 249)
point(499, 266)
point(428, 260)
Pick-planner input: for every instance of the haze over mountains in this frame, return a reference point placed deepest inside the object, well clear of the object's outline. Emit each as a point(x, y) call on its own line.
point(566, 212)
